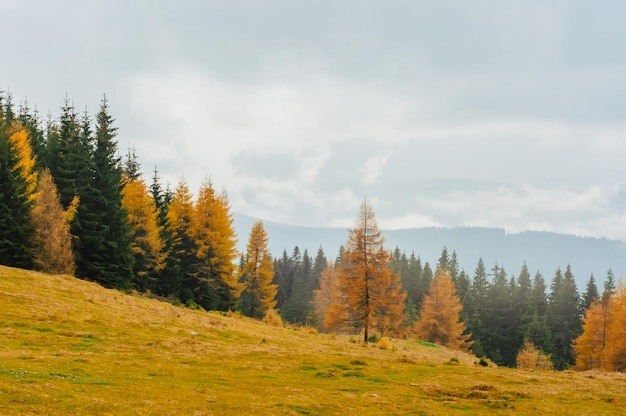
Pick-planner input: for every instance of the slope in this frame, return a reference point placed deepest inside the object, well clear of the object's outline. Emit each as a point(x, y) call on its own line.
point(72, 347)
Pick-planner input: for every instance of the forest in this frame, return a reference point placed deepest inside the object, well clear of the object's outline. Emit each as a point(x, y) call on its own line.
point(70, 204)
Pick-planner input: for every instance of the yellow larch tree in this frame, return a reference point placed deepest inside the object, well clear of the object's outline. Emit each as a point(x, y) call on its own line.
point(369, 297)
point(602, 345)
point(322, 296)
point(615, 343)
point(439, 315)
point(589, 346)
point(146, 244)
point(52, 237)
point(215, 239)
point(25, 160)
point(258, 294)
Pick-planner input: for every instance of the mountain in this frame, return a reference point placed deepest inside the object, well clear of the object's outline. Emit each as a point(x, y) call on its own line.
point(542, 251)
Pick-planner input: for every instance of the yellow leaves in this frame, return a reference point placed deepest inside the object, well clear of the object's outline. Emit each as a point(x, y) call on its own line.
point(439, 315)
point(367, 295)
point(531, 358)
point(26, 162)
point(603, 341)
point(52, 238)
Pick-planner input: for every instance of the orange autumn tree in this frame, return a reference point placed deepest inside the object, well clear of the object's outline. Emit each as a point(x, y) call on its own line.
point(145, 234)
point(322, 297)
point(439, 315)
point(215, 239)
point(51, 223)
point(602, 345)
point(258, 294)
point(367, 295)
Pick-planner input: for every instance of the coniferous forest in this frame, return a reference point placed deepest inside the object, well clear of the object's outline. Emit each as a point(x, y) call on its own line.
point(70, 204)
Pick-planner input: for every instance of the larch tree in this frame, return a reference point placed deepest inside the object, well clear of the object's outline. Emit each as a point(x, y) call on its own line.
point(258, 294)
point(322, 297)
point(439, 315)
point(146, 244)
point(52, 237)
point(370, 293)
point(589, 346)
point(215, 240)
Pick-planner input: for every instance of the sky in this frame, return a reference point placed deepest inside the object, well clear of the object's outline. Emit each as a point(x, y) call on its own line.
point(508, 114)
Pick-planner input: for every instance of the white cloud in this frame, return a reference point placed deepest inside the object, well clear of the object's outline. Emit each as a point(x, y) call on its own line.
point(373, 168)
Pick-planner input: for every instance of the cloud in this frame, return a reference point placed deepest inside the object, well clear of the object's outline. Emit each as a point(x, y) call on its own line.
point(373, 168)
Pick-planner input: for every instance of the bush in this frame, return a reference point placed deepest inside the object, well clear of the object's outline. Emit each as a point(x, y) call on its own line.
point(384, 344)
point(273, 318)
point(531, 358)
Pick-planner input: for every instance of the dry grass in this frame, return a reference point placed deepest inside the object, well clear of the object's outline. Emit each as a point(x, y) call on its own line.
point(72, 347)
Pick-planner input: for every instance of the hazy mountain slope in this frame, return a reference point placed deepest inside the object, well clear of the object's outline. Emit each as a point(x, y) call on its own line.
point(542, 251)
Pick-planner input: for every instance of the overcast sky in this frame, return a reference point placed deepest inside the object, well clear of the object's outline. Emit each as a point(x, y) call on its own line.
point(495, 113)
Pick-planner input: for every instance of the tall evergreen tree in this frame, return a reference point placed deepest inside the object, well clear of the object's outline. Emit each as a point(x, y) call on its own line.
point(104, 253)
point(564, 318)
point(591, 293)
point(15, 199)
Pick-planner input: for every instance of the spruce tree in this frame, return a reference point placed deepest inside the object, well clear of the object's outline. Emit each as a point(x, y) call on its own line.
point(591, 293)
point(15, 201)
point(564, 318)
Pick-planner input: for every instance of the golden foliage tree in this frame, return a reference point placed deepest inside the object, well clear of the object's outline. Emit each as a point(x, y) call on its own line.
point(439, 315)
point(589, 346)
point(146, 244)
point(25, 161)
point(602, 345)
point(52, 238)
point(258, 293)
point(322, 297)
point(215, 239)
point(367, 295)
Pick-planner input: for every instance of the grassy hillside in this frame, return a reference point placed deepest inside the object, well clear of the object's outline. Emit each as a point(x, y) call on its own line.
point(71, 347)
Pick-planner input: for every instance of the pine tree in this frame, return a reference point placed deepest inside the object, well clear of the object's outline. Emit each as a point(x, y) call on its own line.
point(564, 318)
point(439, 315)
point(591, 293)
point(52, 238)
point(498, 321)
point(478, 293)
point(181, 261)
point(115, 263)
point(258, 293)
point(365, 281)
point(15, 197)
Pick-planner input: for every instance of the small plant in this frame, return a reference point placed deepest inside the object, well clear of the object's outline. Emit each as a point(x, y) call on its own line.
point(483, 362)
point(273, 318)
point(372, 338)
point(532, 358)
point(384, 344)
point(453, 361)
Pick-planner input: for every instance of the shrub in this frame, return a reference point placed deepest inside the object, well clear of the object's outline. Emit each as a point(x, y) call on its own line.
point(530, 357)
point(273, 318)
point(384, 344)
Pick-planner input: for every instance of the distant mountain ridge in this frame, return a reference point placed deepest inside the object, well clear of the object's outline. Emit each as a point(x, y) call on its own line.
point(542, 251)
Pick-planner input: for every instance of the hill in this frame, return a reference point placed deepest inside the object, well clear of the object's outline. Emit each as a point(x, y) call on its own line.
point(542, 251)
point(72, 347)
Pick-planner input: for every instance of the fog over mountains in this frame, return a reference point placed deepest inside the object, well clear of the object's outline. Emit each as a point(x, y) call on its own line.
point(542, 251)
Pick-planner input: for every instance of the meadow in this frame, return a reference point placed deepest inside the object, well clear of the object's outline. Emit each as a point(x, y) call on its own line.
point(69, 346)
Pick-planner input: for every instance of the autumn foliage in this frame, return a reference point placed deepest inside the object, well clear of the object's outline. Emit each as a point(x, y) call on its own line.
point(366, 295)
point(439, 315)
point(602, 344)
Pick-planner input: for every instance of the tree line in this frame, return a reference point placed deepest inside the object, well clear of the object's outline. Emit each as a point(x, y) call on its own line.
point(70, 204)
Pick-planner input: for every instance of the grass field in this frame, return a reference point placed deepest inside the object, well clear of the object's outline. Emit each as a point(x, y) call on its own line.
point(71, 347)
